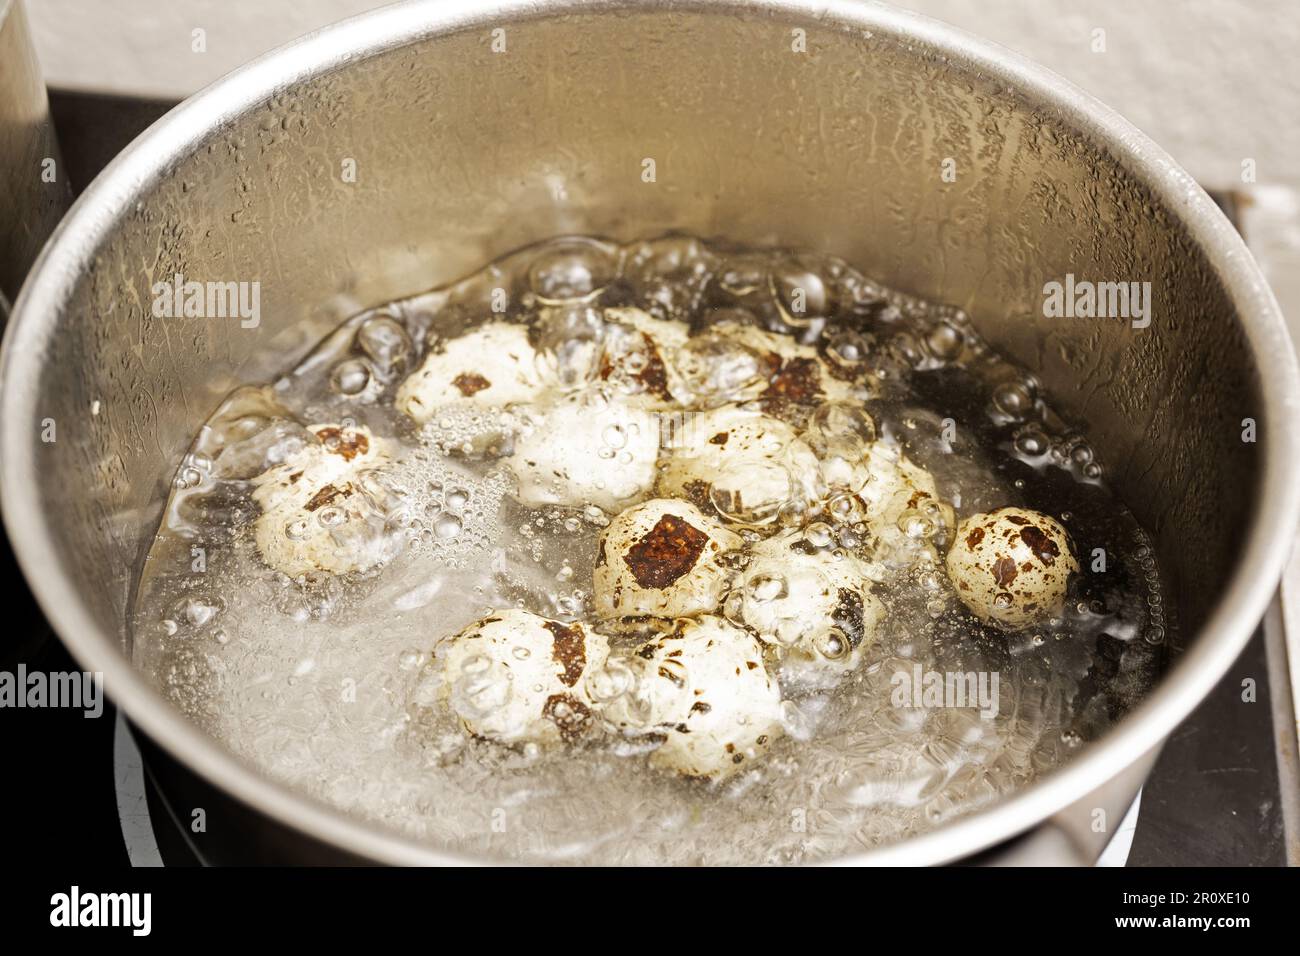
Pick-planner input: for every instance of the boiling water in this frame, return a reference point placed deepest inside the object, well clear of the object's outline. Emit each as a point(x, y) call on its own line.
point(326, 683)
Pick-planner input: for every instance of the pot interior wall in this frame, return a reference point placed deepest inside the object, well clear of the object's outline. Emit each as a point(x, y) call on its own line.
point(462, 153)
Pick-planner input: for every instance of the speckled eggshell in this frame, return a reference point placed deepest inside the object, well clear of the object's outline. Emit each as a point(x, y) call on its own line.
point(584, 448)
point(516, 677)
point(493, 364)
point(323, 508)
point(815, 603)
point(740, 456)
point(662, 558)
point(705, 690)
point(1011, 567)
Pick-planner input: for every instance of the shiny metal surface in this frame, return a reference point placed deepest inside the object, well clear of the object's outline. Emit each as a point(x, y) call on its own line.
point(32, 205)
point(463, 153)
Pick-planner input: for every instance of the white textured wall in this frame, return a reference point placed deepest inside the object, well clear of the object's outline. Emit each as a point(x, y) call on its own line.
point(1214, 81)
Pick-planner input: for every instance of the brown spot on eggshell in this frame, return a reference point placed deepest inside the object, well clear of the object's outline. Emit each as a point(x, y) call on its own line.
point(1004, 571)
point(668, 551)
point(569, 648)
point(571, 716)
point(325, 496)
point(1045, 549)
point(697, 493)
point(347, 444)
point(798, 381)
point(470, 383)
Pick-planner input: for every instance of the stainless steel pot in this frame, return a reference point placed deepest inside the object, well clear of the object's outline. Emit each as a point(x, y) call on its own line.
point(31, 175)
point(826, 125)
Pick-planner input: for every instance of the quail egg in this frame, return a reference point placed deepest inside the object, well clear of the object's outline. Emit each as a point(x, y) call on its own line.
point(662, 558)
point(493, 365)
point(900, 504)
point(325, 507)
point(583, 449)
point(637, 360)
point(1012, 567)
point(741, 463)
point(516, 677)
point(704, 689)
point(816, 603)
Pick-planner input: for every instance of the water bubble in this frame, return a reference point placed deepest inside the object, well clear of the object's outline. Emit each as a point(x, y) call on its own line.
point(478, 695)
point(742, 278)
point(945, 341)
point(614, 436)
point(521, 653)
point(198, 612)
point(833, 645)
point(350, 377)
point(841, 430)
point(789, 631)
point(715, 368)
point(570, 343)
point(446, 526)
point(915, 525)
point(188, 477)
point(800, 293)
point(385, 341)
point(798, 723)
point(907, 349)
point(611, 681)
point(768, 587)
point(848, 348)
point(570, 270)
point(819, 534)
point(1013, 399)
point(792, 514)
point(753, 494)
point(1031, 442)
point(457, 499)
point(733, 608)
point(845, 509)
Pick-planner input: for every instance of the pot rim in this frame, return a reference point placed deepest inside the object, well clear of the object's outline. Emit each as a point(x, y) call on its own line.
point(134, 172)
